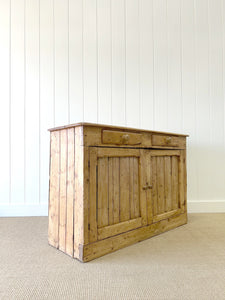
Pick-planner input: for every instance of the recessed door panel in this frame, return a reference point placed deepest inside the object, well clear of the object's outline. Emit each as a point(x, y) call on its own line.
point(117, 199)
point(167, 184)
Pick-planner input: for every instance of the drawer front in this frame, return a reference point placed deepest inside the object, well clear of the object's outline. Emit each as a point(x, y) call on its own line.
point(166, 140)
point(121, 137)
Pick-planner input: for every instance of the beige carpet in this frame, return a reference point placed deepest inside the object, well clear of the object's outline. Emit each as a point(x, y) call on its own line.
point(185, 263)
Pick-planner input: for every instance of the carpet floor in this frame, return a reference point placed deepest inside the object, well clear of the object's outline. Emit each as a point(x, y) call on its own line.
point(185, 263)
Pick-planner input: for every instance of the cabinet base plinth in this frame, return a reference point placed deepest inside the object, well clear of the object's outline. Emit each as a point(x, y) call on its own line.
point(94, 250)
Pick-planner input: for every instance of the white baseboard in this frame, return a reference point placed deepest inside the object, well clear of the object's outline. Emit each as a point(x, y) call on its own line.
point(22, 210)
point(216, 206)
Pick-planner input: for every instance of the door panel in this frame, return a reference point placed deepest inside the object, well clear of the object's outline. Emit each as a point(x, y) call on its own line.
point(167, 184)
point(116, 199)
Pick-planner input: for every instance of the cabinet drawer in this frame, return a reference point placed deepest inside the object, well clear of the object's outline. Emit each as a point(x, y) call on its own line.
point(121, 137)
point(166, 140)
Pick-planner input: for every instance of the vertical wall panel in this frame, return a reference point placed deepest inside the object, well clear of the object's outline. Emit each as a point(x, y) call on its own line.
point(46, 92)
point(203, 106)
point(118, 63)
point(160, 63)
point(5, 52)
point(216, 98)
point(90, 61)
point(174, 66)
point(104, 55)
point(132, 63)
point(146, 64)
point(17, 101)
point(153, 64)
point(189, 89)
point(76, 112)
point(32, 101)
point(61, 62)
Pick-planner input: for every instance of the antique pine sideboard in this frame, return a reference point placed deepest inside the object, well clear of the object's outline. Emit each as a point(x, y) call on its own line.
point(113, 186)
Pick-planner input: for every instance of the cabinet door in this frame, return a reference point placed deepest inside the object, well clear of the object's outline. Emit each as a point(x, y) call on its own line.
point(166, 175)
point(117, 203)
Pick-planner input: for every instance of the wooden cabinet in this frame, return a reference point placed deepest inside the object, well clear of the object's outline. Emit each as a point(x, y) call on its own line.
point(112, 186)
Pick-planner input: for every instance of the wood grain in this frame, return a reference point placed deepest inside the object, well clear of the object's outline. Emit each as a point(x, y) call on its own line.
point(92, 196)
point(124, 189)
point(168, 186)
point(103, 192)
point(154, 185)
point(53, 213)
point(160, 185)
point(116, 190)
point(110, 191)
point(70, 190)
point(174, 182)
point(63, 190)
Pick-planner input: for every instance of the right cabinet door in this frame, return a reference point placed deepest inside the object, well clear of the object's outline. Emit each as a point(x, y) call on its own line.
point(166, 174)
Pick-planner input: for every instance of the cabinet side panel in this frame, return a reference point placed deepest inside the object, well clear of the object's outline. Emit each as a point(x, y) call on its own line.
point(70, 190)
point(79, 192)
point(62, 193)
point(53, 225)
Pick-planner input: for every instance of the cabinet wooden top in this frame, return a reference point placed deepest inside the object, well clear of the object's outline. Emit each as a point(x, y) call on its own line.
point(104, 126)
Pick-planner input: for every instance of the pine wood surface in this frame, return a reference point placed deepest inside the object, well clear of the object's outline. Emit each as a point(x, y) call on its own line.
point(103, 198)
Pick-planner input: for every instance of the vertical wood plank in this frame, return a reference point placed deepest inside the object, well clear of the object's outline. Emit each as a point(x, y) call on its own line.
point(174, 66)
point(142, 179)
point(174, 182)
point(181, 175)
point(168, 183)
point(5, 104)
point(132, 63)
point(90, 61)
point(124, 189)
point(76, 112)
point(160, 64)
point(80, 222)
point(116, 190)
point(104, 55)
point(118, 63)
point(17, 102)
point(63, 190)
point(110, 190)
point(154, 185)
point(131, 187)
point(136, 187)
point(103, 192)
point(70, 194)
point(32, 101)
point(61, 62)
point(160, 184)
point(146, 64)
point(53, 225)
point(92, 195)
point(149, 181)
point(46, 92)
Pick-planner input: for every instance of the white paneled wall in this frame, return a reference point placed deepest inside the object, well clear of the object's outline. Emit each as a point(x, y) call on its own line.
point(154, 64)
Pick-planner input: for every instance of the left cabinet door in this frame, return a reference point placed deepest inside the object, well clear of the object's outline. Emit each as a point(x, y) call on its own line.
point(117, 201)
